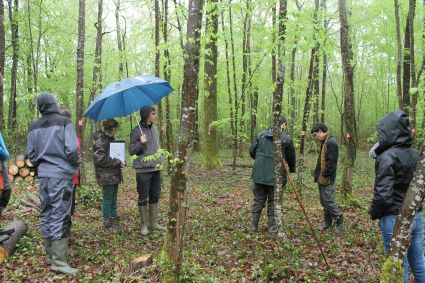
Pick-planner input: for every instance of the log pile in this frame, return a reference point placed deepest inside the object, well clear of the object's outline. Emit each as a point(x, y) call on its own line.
point(21, 169)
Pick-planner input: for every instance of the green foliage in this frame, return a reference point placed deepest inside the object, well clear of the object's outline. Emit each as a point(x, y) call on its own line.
point(89, 196)
point(392, 271)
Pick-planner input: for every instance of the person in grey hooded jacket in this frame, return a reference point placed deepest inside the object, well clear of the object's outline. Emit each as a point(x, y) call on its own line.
point(144, 142)
point(52, 147)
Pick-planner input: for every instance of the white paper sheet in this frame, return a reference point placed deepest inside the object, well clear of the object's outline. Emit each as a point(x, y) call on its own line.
point(117, 150)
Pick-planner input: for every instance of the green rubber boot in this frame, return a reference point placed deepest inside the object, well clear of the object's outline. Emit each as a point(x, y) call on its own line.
point(59, 264)
point(153, 217)
point(48, 250)
point(143, 211)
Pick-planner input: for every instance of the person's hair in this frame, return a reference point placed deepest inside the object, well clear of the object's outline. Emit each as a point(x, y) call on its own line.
point(319, 127)
point(153, 109)
point(282, 120)
point(109, 124)
point(65, 112)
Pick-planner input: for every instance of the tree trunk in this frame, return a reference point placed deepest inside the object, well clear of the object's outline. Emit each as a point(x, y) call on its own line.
point(229, 90)
point(399, 50)
point(245, 72)
point(119, 42)
point(316, 87)
point(254, 106)
point(2, 61)
point(400, 241)
point(97, 67)
point(210, 147)
point(157, 65)
point(80, 79)
point(13, 14)
point(412, 96)
point(324, 66)
point(179, 26)
point(349, 103)
point(277, 111)
point(292, 91)
point(167, 75)
point(235, 88)
point(174, 238)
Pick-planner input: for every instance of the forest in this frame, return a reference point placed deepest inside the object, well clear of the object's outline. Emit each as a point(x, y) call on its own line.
point(236, 67)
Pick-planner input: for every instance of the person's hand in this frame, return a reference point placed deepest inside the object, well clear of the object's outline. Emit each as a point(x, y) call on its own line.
point(143, 138)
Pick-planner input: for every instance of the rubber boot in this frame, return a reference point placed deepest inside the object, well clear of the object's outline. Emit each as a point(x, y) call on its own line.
point(48, 250)
point(327, 222)
point(272, 229)
point(107, 223)
point(143, 211)
point(116, 227)
point(339, 224)
point(59, 264)
point(153, 217)
point(255, 221)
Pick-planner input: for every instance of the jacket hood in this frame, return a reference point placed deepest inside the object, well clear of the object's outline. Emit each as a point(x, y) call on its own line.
point(394, 130)
point(268, 133)
point(47, 103)
point(145, 111)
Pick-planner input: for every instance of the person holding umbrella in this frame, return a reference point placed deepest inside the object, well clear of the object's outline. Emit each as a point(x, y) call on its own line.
point(144, 141)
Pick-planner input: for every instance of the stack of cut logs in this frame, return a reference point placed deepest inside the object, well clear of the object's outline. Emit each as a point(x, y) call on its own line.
point(21, 169)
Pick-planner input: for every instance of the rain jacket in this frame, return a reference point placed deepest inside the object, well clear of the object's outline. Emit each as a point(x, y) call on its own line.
point(145, 149)
point(262, 151)
point(394, 165)
point(108, 170)
point(52, 141)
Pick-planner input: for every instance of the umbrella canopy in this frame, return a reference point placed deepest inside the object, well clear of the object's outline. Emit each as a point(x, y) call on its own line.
point(123, 98)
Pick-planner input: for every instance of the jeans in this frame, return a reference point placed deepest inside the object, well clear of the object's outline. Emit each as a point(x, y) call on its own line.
point(415, 253)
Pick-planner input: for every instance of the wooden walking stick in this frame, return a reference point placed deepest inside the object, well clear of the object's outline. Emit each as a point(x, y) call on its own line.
point(285, 165)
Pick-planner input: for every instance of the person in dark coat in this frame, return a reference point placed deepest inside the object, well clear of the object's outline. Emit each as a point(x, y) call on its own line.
point(144, 142)
point(53, 149)
point(263, 173)
point(108, 173)
point(394, 167)
point(325, 175)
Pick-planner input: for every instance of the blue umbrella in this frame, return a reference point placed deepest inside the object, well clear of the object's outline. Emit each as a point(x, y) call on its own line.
point(123, 98)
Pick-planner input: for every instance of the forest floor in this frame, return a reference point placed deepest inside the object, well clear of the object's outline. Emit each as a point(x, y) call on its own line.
point(218, 244)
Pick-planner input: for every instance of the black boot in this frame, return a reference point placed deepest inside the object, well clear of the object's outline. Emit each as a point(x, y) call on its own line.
point(255, 220)
point(272, 229)
point(339, 224)
point(327, 222)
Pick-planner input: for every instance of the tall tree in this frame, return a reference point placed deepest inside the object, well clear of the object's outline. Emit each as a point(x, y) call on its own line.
point(174, 238)
point(80, 77)
point(245, 69)
point(13, 17)
point(119, 40)
point(399, 56)
point(229, 88)
point(97, 67)
point(277, 112)
point(2, 60)
point(235, 88)
point(324, 65)
point(210, 146)
point(158, 63)
point(167, 75)
point(349, 102)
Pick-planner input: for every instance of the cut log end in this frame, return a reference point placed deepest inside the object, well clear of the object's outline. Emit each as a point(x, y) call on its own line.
point(138, 263)
point(28, 163)
point(24, 171)
point(3, 254)
point(13, 169)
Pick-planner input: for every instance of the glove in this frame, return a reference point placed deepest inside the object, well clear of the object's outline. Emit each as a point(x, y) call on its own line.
point(374, 213)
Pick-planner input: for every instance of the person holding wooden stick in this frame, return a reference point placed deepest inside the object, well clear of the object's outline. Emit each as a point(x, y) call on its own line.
point(263, 173)
point(52, 147)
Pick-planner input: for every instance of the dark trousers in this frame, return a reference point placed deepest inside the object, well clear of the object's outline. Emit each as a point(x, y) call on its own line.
point(262, 194)
point(148, 187)
point(7, 188)
point(327, 200)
